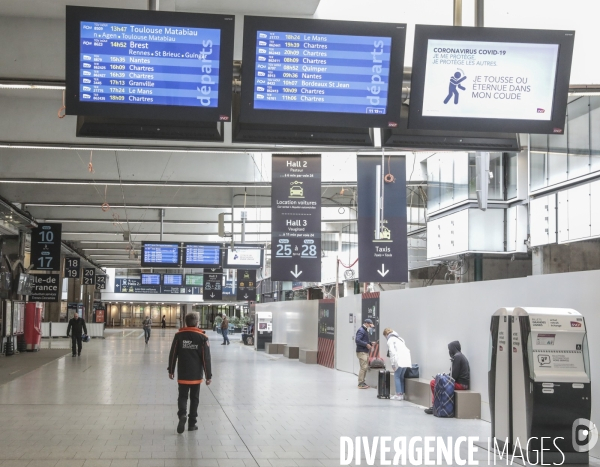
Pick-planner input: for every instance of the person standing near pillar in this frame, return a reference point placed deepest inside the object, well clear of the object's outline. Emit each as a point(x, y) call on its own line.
point(190, 352)
point(225, 330)
point(76, 329)
point(147, 324)
point(363, 346)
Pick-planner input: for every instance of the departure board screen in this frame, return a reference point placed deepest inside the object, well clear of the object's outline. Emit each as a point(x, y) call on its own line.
point(202, 255)
point(160, 254)
point(150, 279)
point(194, 279)
point(146, 64)
point(322, 72)
point(173, 279)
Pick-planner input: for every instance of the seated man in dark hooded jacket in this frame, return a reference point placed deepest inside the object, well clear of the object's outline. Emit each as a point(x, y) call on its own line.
point(460, 371)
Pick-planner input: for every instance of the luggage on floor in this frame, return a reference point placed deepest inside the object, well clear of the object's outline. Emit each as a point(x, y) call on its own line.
point(383, 385)
point(412, 372)
point(443, 396)
point(248, 339)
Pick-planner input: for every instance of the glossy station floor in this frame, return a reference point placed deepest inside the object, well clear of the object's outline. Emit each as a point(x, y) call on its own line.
point(115, 407)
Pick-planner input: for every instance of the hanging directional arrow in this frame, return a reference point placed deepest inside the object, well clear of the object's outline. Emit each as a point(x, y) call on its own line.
point(212, 295)
point(383, 272)
point(246, 296)
point(295, 272)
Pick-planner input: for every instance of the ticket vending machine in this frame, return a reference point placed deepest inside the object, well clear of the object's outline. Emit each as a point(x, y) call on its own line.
point(549, 388)
point(263, 329)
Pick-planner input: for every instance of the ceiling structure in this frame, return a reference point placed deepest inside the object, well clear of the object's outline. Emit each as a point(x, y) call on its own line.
point(48, 172)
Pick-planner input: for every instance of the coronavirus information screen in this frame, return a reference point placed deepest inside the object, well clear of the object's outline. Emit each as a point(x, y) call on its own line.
point(490, 80)
point(142, 64)
point(321, 72)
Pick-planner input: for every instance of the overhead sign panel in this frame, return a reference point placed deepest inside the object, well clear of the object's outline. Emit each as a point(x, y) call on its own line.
point(246, 284)
point(72, 267)
point(213, 286)
point(322, 73)
point(89, 276)
point(45, 288)
point(45, 247)
point(490, 79)
point(296, 218)
point(101, 282)
point(382, 242)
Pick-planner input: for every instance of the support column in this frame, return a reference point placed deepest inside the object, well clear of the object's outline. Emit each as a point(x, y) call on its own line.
point(479, 13)
point(457, 20)
point(478, 267)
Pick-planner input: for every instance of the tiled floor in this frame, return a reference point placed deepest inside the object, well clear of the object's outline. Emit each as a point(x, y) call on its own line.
point(115, 407)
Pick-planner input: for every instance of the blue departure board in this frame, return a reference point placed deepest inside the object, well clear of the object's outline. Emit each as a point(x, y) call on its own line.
point(172, 279)
point(149, 64)
point(200, 255)
point(150, 279)
point(160, 254)
point(322, 72)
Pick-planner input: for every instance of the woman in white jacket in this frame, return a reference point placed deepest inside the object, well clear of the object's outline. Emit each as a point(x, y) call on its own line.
point(400, 358)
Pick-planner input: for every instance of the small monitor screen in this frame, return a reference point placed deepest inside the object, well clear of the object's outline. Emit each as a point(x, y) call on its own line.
point(202, 255)
point(194, 279)
point(244, 257)
point(150, 279)
point(141, 64)
point(160, 254)
point(172, 279)
point(321, 72)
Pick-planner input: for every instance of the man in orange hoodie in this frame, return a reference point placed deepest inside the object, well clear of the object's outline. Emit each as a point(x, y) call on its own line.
point(190, 352)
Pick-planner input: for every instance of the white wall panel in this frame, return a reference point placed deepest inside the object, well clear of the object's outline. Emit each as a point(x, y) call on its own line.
point(486, 230)
point(429, 318)
point(595, 208)
point(579, 214)
point(542, 214)
point(295, 322)
point(345, 348)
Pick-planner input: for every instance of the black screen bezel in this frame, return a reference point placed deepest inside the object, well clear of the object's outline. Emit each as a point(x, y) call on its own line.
point(173, 285)
point(565, 40)
point(226, 23)
point(193, 285)
point(248, 114)
point(144, 264)
point(201, 266)
point(151, 274)
point(227, 265)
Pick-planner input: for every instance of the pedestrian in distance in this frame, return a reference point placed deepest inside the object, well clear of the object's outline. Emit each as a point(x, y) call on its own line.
point(400, 359)
point(76, 329)
point(190, 352)
point(164, 321)
point(225, 330)
point(363, 345)
point(147, 325)
point(460, 372)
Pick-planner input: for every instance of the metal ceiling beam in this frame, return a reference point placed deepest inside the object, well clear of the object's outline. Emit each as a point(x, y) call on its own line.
point(139, 183)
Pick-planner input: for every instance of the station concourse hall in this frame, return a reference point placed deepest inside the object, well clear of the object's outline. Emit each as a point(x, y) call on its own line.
point(299, 234)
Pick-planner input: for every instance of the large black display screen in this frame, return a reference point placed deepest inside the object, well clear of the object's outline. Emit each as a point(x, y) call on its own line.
point(489, 79)
point(339, 73)
point(160, 254)
point(148, 60)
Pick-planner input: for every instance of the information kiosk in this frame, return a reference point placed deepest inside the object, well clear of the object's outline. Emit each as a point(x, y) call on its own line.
point(263, 329)
point(540, 392)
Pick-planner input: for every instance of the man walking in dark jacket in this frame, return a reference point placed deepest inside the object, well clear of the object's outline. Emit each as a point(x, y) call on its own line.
point(363, 345)
point(76, 328)
point(190, 352)
point(460, 371)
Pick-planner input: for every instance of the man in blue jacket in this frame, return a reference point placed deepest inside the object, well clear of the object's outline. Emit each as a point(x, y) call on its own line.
point(363, 345)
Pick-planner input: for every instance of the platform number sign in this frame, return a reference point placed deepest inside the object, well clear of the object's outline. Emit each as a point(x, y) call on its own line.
point(72, 267)
point(101, 282)
point(45, 247)
point(89, 276)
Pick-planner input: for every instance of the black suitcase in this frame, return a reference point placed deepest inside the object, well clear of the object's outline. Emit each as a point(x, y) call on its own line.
point(383, 385)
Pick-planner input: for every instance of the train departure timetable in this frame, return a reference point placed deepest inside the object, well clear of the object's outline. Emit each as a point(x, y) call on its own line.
point(172, 279)
point(202, 255)
point(321, 72)
point(149, 64)
point(160, 254)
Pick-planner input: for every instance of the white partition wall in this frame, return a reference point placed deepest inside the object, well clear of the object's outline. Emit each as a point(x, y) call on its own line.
point(295, 322)
point(347, 317)
point(429, 318)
